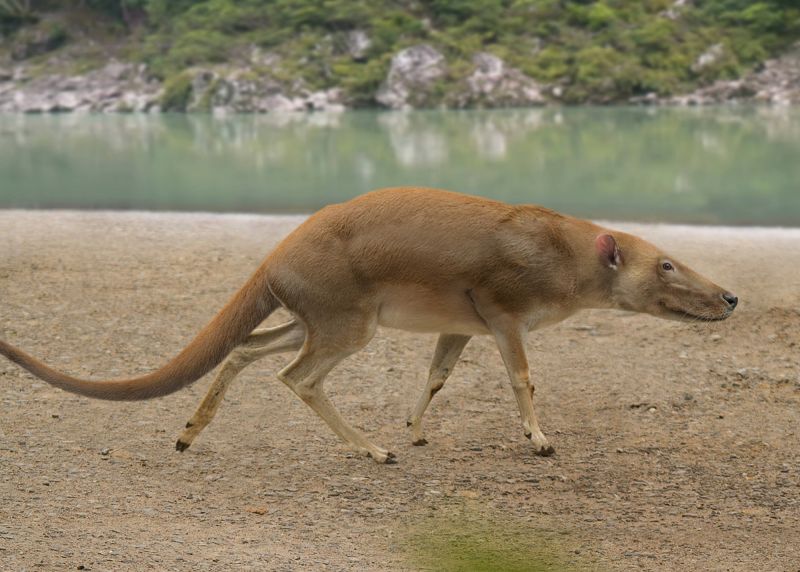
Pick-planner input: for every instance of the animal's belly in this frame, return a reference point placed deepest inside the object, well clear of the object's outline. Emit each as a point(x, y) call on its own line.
point(418, 309)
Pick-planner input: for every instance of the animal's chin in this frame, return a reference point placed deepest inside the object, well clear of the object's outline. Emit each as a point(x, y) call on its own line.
point(683, 316)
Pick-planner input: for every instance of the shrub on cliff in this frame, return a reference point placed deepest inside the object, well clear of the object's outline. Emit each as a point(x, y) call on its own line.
point(600, 51)
point(177, 93)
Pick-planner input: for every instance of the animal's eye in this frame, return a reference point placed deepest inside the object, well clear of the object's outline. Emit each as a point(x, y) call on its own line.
point(667, 266)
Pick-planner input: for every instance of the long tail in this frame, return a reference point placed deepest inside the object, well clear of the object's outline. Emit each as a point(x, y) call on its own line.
point(249, 307)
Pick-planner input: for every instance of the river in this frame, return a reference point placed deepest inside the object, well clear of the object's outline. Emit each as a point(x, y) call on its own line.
point(729, 166)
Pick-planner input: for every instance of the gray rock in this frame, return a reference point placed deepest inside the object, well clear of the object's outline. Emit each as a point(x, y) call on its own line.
point(204, 85)
point(708, 58)
point(674, 11)
point(120, 71)
point(494, 84)
point(776, 82)
point(357, 43)
point(412, 74)
point(114, 87)
point(281, 103)
point(66, 101)
point(6, 75)
point(132, 101)
point(489, 69)
point(327, 100)
point(244, 90)
point(261, 58)
point(34, 103)
point(20, 74)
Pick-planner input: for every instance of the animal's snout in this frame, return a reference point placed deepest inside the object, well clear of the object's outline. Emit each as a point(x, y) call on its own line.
point(730, 299)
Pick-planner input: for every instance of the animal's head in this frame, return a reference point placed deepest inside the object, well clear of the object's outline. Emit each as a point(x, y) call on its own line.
point(645, 279)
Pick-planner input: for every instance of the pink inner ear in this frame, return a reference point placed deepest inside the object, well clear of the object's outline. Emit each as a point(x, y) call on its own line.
point(607, 249)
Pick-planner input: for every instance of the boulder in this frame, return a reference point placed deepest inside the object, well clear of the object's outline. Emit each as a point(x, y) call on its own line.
point(280, 103)
point(412, 76)
point(33, 103)
point(494, 84)
point(777, 82)
point(66, 101)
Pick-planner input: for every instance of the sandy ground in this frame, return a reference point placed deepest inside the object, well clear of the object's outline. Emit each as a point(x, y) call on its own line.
point(676, 444)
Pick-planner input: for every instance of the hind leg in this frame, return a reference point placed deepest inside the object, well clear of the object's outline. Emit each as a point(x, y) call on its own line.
point(448, 350)
point(306, 375)
point(284, 338)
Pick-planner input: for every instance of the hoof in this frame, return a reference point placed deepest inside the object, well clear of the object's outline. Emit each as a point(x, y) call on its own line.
point(181, 445)
point(390, 458)
point(546, 451)
point(420, 442)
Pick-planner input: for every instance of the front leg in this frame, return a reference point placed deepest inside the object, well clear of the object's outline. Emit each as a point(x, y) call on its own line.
point(509, 332)
point(510, 341)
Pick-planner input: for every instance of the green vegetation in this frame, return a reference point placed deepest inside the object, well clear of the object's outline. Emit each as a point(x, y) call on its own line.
point(177, 92)
point(602, 51)
point(467, 541)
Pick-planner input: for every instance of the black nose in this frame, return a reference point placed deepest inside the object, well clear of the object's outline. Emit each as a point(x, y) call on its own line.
point(730, 299)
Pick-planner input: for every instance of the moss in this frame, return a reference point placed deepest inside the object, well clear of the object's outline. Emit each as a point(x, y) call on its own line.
point(206, 101)
point(177, 92)
point(198, 46)
point(550, 64)
point(42, 38)
point(86, 63)
point(467, 541)
point(14, 15)
point(125, 108)
point(361, 81)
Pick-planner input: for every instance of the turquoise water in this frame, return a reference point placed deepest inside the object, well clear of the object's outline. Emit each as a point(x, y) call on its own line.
point(699, 165)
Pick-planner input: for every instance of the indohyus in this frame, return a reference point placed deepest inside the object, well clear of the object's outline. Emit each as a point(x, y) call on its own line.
point(423, 260)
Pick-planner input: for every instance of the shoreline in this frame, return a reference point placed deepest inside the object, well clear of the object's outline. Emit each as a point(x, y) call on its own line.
point(297, 218)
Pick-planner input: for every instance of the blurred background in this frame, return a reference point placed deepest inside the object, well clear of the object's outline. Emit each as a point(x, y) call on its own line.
point(656, 110)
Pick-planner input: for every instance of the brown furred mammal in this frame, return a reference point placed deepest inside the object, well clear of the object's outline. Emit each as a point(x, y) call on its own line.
point(422, 260)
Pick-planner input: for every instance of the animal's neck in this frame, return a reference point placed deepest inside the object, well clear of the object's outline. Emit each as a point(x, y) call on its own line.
point(592, 279)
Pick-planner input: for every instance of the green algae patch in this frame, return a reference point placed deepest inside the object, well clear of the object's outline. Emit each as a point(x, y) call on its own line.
point(472, 541)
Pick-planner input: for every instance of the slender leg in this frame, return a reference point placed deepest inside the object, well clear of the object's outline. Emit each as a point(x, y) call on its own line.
point(280, 337)
point(448, 350)
point(509, 340)
point(305, 376)
point(284, 338)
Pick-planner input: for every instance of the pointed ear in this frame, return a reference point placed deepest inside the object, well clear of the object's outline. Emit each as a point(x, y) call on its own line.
point(608, 250)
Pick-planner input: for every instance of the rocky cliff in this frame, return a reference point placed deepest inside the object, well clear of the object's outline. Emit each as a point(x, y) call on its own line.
point(417, 77)
point(263, 56)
